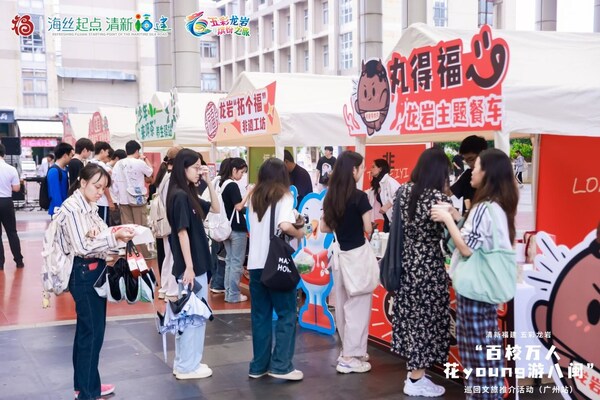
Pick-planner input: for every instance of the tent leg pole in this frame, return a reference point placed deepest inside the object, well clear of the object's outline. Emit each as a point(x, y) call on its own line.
point(213, 153)
point(279, 152)
point(502, 141)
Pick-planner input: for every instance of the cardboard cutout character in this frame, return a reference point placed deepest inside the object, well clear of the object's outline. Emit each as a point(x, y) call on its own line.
point(568, 306)
point(373, 95)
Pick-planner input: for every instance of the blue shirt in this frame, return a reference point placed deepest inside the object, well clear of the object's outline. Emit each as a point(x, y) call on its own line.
point(58, 187)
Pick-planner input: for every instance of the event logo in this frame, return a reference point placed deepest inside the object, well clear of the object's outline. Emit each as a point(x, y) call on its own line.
point(141, 25)
point(211, 120)
point(222, 25)
point(435, 89)
point(566, 303)
point(22, 25)
point(197, 26)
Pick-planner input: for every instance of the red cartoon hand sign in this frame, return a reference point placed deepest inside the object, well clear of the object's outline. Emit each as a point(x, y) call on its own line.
point(490, 59)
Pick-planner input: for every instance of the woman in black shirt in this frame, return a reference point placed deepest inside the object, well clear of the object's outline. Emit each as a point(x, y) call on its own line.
point(346, 211)
point(186, 213)
point(235, 245)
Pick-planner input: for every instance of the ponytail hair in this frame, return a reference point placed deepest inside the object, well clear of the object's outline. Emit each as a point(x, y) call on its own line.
point(87, 174)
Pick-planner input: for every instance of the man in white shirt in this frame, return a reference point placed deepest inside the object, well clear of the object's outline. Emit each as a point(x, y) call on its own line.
point(131, 187)
point(9, 182)
point(47, 162)
point(101, 157)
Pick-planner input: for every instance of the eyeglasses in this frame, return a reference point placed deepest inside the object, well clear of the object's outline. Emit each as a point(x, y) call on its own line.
point(198, 168)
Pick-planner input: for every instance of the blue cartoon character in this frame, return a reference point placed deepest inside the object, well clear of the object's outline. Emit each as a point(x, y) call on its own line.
point(312, 260)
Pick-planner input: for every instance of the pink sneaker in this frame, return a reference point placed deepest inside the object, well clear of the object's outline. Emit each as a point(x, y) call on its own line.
point(105, 389)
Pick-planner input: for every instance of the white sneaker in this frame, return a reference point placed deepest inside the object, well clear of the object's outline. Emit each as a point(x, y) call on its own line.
point(295, 375)
point(423, 387)
point(353, 365)
point(363, 358)
point(256, 376)
point(203, 371)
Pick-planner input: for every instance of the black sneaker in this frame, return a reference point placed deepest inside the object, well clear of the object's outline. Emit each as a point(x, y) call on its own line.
point(20, 265)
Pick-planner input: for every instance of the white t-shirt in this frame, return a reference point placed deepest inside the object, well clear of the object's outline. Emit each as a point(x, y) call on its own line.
point(259, 231)
point(103, 201)
point(8, 177)
point(129, 172)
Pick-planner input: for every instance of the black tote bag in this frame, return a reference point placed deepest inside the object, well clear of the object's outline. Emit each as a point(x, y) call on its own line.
point(390, 266)
point(280, 272)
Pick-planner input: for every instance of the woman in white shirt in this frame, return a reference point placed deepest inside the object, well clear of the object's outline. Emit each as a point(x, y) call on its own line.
point(383, 192)
point(79, 229)
point(272, 190)
point(494, 182)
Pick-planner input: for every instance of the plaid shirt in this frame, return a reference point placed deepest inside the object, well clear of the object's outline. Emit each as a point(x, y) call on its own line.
point(474, 320)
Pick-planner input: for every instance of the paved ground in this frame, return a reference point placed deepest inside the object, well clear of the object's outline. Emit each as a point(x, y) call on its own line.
point(36, 345)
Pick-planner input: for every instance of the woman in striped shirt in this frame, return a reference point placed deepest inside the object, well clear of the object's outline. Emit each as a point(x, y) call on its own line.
point(80, 226)
point(495, 183)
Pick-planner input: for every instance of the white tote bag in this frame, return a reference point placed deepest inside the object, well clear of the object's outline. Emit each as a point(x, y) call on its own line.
point(359, 268)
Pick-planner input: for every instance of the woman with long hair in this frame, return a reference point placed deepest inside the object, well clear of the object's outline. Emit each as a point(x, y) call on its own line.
point(235, 245)
point(496, 187)
point(271, 190)
point(217, 249)
point(421, 310)
point(168, 285)
point(383, 191)
point(79, 228)
point(346, 212)
point(191, 254)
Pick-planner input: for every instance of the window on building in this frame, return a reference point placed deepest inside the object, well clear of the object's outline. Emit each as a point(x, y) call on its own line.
point(345, 11)
point(346, 51)
point(486, 12)
point(289, 26)
point(326, 56)
point(306, 20)
point(325, 13)
point(262, 2)
point(440, 13)
point(306, 66)
point(289, 62)
point(273, 30)
point(208, 49)
point(209, 82)
point(35, 88)
point(34, 43)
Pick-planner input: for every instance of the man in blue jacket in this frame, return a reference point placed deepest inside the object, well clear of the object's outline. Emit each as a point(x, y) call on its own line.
point(58, 177)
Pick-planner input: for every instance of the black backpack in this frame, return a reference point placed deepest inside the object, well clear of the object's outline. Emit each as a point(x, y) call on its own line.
point(44, 193)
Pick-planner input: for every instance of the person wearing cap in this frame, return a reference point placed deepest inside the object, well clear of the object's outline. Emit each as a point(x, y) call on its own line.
point(299, 177)
point(325, 166)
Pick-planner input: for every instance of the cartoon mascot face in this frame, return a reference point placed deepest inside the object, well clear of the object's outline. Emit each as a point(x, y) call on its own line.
point(373, 95)
point(572, 312)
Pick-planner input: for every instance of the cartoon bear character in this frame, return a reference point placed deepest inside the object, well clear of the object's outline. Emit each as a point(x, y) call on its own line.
point(572, 315)
point(373, 95)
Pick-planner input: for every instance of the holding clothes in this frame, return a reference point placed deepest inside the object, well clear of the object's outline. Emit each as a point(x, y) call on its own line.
point(79, 227)
point(191, 254)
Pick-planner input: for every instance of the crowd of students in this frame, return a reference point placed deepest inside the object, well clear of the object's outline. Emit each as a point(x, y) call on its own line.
point(421, 313)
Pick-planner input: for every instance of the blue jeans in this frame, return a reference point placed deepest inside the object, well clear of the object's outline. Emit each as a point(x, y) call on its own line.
point(264, 300)
point(217, 281)
point(189, 345)
point(235, 247)
point(89, 332)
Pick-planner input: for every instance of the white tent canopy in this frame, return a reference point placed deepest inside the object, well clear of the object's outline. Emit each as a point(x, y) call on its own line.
point(190, 130)
point(551, 85)
point(309, 107)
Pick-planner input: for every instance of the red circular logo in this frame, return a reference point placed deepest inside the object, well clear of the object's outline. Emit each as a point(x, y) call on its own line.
point(211, 120)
